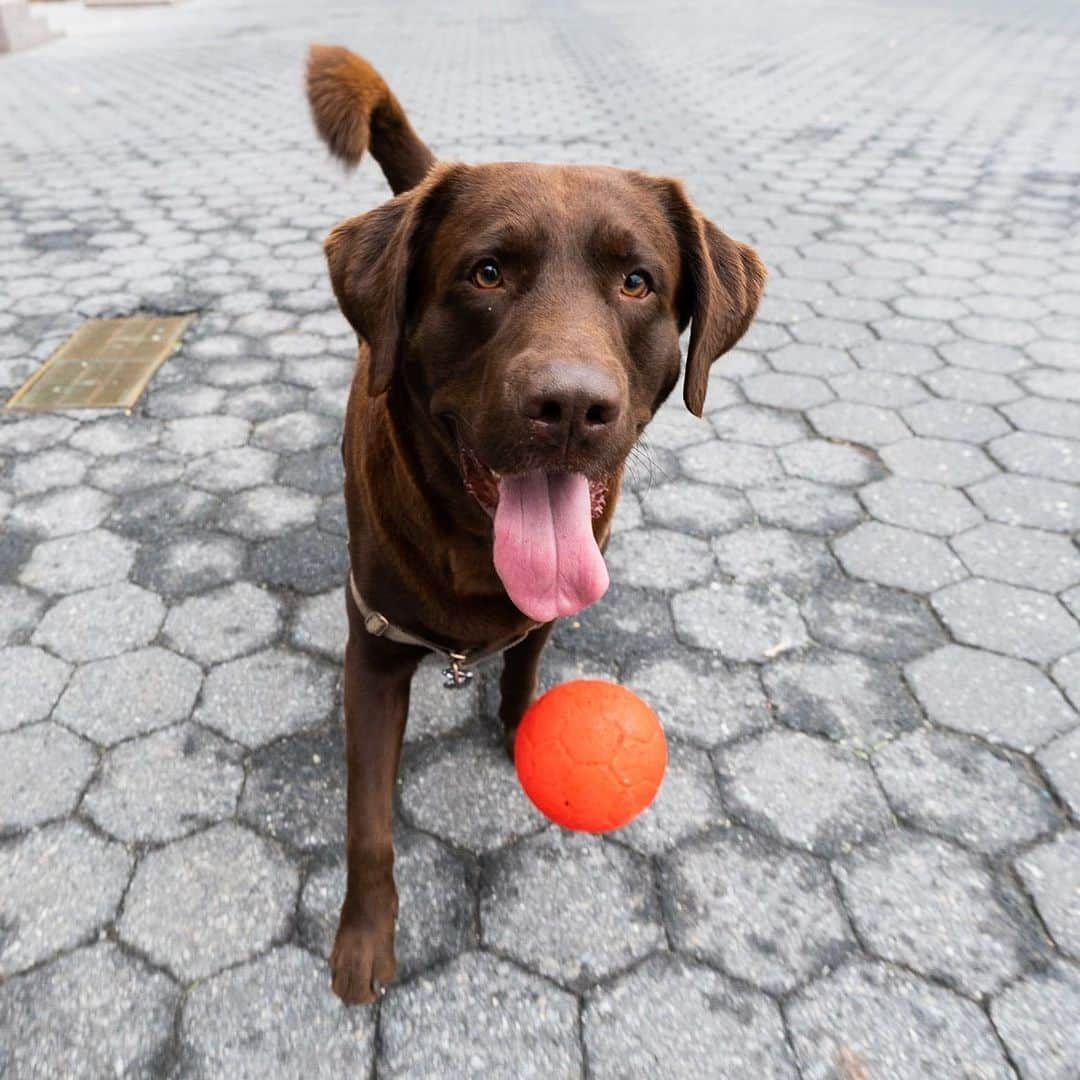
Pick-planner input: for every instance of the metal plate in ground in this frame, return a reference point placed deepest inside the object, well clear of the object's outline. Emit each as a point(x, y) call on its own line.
point(105, 364)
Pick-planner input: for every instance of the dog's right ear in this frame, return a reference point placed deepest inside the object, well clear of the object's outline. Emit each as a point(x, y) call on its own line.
point(371, 258)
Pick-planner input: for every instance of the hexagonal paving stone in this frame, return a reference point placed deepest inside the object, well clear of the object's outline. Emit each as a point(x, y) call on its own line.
point(296, 431)
point(985, 388)
point(157, 515)
point(830, 463)
point(72, 563)
point(295, 790)
point(467, 792)
point(898, 557)
point(868, 425)
point(937, 461)
point(658, 559)
point(881, 623)
point(807, 359)
point(1060, 761)
point(68, 884)
point(43, 770)
point(706, 703)
point(735, 465)
point(48, 469)
point(479, 1016)
point(1031, 501)
point(700, 509)
point(672, 429)
point(1039, 455)
point(1007, 619)
point(1041, 1049)
point(196, 435)
point(852, 700)
point(871, 1019)
point(803, 791)
point(62, 513)
point(113, 699)
point(30, 683)
point(570, 906)
point(626, 622)
point(116, 435)
point(688, 802)
point(1026, 557)
point(232, 470)
point(321, 625)
point(101, 623)
point(996, 697)
point(954, 786)
point(274, 1017)
point(883, 388)
point(760, 913)
point(19, 613)
point(436, 908)
point(190, 564)
point(1051, 873)
point(271, 693)
point(921, 902)
point(805, 506)
point(221, 625)
point(1045, 416)
point(94, 1012)
point(434, 711)
point(913, 504)
point(307, 560)
point(957, 420)
point(901, 358)
point(753, 424)
point(742, 622)
point(793, 562)
point(129, 473)
point(683, 1019)
point(166, 785)
point(784, 391)
point(268, 511)
point(209, 900)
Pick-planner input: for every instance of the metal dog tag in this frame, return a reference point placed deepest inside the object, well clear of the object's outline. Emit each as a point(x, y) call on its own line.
point(455, 677)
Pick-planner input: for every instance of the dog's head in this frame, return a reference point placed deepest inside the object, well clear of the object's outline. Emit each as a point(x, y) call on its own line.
point(538, 309)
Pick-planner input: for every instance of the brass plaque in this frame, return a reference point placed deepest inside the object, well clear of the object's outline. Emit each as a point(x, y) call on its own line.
point(105, 364)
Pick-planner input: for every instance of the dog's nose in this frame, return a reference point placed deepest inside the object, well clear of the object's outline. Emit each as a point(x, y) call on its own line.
point(571, 401)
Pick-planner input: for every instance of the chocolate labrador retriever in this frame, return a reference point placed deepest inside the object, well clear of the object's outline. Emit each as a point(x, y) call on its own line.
point(519, 326)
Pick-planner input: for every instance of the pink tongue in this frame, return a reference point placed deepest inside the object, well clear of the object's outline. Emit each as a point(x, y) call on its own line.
point(545, 551)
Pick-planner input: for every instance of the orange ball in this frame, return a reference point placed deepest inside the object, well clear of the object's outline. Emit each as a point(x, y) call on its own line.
point(590, 755)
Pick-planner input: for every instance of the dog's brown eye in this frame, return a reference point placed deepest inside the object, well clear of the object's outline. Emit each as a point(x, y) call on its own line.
point(487, 275)
point(635, 285)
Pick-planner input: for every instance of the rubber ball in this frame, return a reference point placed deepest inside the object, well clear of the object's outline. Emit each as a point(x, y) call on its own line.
point(590, 754)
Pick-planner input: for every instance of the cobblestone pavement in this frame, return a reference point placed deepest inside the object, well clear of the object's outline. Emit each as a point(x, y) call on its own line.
point(852, 591)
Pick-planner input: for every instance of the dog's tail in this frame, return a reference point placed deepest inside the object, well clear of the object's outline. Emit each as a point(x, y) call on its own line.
point(354, 109)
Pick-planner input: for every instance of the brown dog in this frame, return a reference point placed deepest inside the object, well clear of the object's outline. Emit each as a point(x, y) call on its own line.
point(519, 326)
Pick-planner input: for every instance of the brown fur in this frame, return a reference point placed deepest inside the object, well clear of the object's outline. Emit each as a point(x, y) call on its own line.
point(447, 369)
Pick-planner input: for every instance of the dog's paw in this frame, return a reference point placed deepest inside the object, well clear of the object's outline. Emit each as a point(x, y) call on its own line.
point(362, 963)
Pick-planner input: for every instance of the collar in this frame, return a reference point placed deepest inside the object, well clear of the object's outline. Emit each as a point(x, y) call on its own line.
point(457, 674)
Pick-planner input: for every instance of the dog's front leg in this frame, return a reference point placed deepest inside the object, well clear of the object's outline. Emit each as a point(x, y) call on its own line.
point(377, 677)
point(520, 673)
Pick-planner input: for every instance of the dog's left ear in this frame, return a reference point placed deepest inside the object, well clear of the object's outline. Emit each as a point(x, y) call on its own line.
point(721, 283)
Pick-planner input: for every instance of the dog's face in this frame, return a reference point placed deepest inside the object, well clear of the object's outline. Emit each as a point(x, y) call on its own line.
point(535, 311)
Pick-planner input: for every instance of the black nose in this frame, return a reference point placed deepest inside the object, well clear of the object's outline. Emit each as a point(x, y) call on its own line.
point(571, 401)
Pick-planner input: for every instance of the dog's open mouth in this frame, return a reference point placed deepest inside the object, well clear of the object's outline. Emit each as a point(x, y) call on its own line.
point(544, 551)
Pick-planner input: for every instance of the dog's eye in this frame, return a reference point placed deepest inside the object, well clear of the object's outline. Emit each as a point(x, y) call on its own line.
point(486, 275)
point(636, 285)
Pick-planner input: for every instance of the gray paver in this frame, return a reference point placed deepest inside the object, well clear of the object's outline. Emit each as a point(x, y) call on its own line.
point(672, 1017)
point(1007, 619)
point(1051, 873)
point(30, 682)
point(1034, 1019)
point(1016, 556)
point(658, 559)
point(221, 625)
point(898, 557)
point(938, 461)
point(1060, 761)
point(320, 624)
point(480, 1015)
point(802, 790)
point(766, 916)
point(1000, 698)
point(165, 785)
point(871, 1019)
point(795, 563)
point(918, 901)
point(69, 883)
point(571, 906)
point(291, 1025)
point(956, 787)
point(94, 1012)
point(113, 699)
point(72, 563)
point(101, 622)
point(43, 770)
point(208, 901)
point(699, 509)
point(1029, 500)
